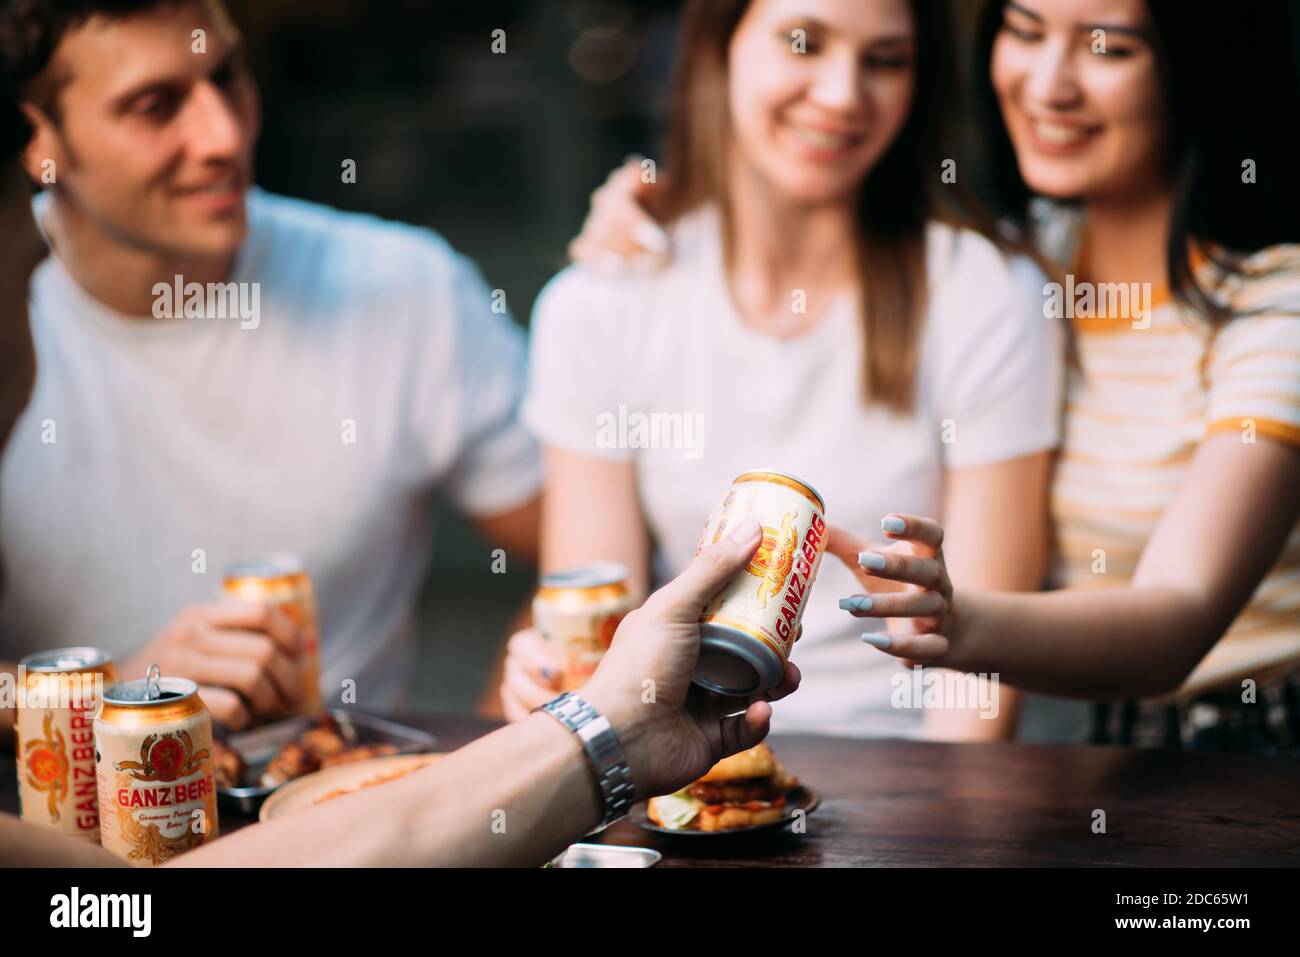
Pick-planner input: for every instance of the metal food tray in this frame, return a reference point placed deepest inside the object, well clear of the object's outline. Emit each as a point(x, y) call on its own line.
point(258, 746)
point(606, 855)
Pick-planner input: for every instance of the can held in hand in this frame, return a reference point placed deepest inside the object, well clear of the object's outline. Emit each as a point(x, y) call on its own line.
point(157, 796)
point(577, 612)
point(281, 579)
point(60, 691)
point(748, 629)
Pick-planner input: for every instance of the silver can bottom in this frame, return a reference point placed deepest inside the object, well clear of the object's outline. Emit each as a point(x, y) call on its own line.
point(735, 664)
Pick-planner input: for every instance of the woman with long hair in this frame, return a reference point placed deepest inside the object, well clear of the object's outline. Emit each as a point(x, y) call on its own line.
point(1161, 146)
point(824, 314)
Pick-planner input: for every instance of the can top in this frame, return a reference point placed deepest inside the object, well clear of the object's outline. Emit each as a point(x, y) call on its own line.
point(287, 562)
point(595, 575)
point(137, 693)
point(59, 660)
point(270, 565)
point(783, 478)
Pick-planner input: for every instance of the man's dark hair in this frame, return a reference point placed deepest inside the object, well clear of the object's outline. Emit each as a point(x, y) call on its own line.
point(31, 30)
point(14, 131)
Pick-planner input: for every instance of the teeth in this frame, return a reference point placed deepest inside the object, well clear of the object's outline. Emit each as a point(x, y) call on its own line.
point(1058, 134)
point(821, 140)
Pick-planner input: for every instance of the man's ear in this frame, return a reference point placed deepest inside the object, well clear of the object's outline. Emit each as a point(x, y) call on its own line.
point(44, 155)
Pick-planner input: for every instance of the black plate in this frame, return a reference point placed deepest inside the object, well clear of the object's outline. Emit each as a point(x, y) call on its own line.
point(800, 799)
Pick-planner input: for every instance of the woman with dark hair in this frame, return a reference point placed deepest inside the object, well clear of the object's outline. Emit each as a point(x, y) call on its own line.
point(1161, 146)
point(823, 315)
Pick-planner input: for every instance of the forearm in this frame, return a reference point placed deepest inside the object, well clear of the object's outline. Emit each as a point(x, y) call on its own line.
point(1099, 644)
point(27, 845)
point(985, 552)
point(517, 796)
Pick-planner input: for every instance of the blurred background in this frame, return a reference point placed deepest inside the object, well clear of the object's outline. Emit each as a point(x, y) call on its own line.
point(499, 153)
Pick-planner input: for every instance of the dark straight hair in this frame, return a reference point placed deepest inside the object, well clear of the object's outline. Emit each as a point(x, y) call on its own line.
point(14, 130)
point(900, 195)
point(1232, 95)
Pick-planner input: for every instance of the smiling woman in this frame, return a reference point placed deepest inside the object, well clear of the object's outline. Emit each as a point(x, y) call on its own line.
point(823, 314)
point(1177, 524)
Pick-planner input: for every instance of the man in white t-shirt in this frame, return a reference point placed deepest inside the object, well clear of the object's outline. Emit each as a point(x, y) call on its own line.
point(225, 373)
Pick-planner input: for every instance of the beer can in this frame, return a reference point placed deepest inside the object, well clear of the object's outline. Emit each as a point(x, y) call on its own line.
point(60, 691)
point(157, 796)
point(281, 579)
point(577, 612)
point(748, 629)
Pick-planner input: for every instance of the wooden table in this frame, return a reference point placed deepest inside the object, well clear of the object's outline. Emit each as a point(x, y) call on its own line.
point(904, 803)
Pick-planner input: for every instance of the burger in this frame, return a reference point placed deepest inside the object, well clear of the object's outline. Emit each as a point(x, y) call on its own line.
point(744, 790)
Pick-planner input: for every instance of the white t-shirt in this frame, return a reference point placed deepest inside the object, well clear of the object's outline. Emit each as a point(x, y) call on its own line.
point(172, 436)
point(989, 375)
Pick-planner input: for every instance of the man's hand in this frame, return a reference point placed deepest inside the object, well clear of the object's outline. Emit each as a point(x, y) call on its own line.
point(671, 730)
point(241, 655)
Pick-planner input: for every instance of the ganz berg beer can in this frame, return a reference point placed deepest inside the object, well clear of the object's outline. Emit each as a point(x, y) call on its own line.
point(577, 612)
point(749, 628)
point(281, 579)
point(60, 692)
point(157, 797)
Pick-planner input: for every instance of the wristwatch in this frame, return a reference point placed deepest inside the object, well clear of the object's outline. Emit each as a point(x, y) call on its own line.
point(604, 753)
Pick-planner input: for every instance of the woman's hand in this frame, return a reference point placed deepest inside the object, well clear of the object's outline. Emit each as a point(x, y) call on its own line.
point(671, 730)
point(531, 679)
point(620, 234)
point(907, 583)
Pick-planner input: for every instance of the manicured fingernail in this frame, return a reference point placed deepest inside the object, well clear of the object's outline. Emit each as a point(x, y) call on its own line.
point(651, 237)
point(879, 641)
point(856, 603)
point(745, 531)
point(892, 523)
point(872, 560)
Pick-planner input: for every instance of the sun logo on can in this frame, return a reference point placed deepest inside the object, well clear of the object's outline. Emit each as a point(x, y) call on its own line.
point(165, 757)
point(774, 558)
point(47, 765)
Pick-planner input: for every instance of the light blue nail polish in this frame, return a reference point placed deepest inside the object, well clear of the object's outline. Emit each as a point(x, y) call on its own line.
point(878, 641)
point(873, 560)
point(856, 603)
point(548, 674)
point(892, 523)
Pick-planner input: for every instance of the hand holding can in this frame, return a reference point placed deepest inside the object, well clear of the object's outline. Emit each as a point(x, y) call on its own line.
point(749, 628)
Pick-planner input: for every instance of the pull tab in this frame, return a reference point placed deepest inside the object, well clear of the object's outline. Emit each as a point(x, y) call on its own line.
point(151, 690)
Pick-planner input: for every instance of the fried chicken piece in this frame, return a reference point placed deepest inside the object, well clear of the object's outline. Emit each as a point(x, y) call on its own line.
point(228, 766)
point(359, 753)
point(323, 741)
point(291, 761)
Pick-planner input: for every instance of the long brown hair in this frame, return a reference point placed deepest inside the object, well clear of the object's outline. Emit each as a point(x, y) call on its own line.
point(897, 199)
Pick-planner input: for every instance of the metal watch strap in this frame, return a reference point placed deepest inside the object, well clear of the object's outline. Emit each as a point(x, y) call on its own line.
point(604, 752)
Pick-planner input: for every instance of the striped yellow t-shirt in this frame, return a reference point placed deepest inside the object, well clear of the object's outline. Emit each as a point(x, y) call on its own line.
point(1139, 402)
